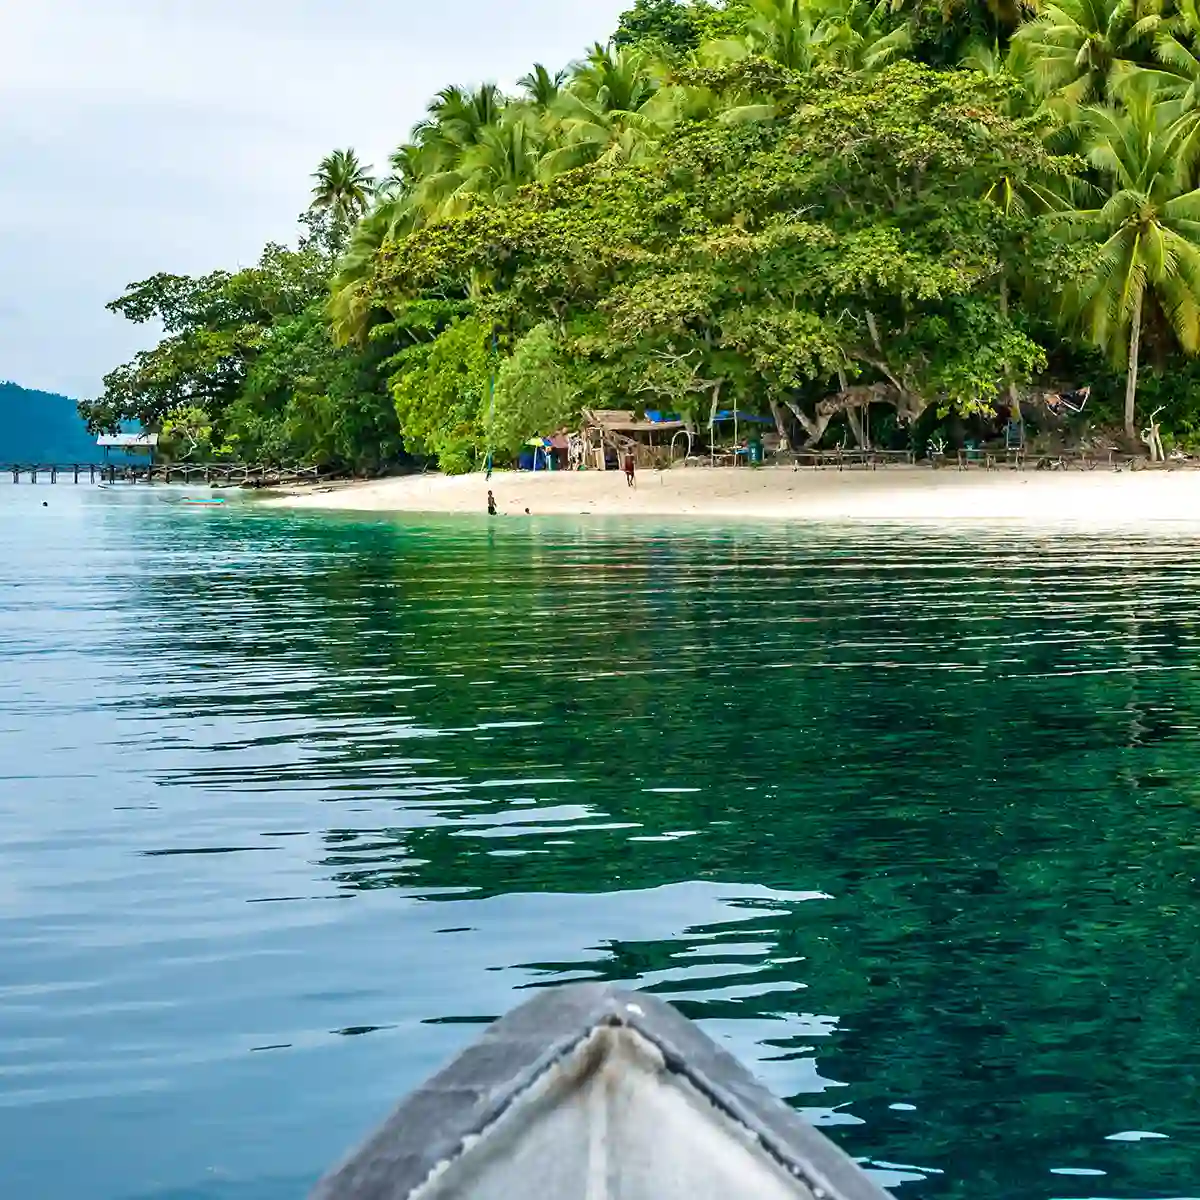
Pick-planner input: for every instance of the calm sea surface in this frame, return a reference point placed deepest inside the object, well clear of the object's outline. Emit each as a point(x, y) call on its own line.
point(289, 805)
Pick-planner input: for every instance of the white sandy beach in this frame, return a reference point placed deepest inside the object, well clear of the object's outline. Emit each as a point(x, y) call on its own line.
point(1100, 497)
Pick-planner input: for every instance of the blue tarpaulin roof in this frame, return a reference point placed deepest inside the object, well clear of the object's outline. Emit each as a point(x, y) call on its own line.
point(730, 414)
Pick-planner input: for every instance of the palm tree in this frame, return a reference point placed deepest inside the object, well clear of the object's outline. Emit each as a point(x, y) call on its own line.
point(1080, 51)
point(540, 88)
point(1147, 234)
point(612, 110)
point(855, 34)
point(504, 157)
point(619, 80)
point(1177, 47)
point(456, 117)
point(782, 30)
point(406, 168)
point(350, 300)
point(343, 185)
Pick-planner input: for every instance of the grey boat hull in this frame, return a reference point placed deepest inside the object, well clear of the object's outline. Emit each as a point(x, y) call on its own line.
point(586, 1092)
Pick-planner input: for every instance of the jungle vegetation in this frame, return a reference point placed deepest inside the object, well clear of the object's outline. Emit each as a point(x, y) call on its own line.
point(787, 206)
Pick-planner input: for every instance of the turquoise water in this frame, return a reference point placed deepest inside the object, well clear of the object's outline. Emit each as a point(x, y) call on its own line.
point(290, 804)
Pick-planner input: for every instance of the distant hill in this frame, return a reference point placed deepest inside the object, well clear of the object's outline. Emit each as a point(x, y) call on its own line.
point(42, 427)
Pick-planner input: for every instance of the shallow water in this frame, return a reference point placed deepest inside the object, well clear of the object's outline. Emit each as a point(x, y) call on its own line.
point(290, 804)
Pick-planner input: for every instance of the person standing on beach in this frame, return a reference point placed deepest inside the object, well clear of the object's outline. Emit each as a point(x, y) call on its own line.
point(629, 469)
point(491, 504)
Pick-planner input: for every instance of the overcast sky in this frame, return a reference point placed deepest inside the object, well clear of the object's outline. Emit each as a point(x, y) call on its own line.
point(145, 135)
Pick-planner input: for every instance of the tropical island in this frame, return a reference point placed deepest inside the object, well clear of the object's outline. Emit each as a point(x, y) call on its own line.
point(899, 226)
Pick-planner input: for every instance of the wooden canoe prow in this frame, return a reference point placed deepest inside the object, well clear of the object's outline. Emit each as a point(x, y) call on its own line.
point(586, 1092)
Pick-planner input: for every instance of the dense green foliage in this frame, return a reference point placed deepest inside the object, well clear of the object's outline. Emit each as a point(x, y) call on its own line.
point(793, 206)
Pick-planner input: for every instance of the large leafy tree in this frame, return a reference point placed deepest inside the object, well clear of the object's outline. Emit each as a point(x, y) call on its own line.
point(675, 28)
point(213, 325)
point(539, 388)
point(1146, 234)
point(845, 236)
point(755, 201)
point(663, 24)
point(248, 365)
point(440, 388)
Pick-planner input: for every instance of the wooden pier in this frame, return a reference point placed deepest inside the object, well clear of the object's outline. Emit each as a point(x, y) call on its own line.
point(248, 475)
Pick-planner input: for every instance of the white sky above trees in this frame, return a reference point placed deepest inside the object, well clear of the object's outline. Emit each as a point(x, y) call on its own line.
point(179, 135)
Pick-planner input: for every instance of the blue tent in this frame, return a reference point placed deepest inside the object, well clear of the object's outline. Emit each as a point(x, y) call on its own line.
point(736, 414)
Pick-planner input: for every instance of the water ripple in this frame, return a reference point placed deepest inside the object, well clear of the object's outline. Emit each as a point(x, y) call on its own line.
point(907, 819)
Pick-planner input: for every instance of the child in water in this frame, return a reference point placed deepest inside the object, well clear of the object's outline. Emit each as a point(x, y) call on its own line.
point(491, 504)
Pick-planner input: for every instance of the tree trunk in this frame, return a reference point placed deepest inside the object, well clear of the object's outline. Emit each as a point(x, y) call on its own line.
point(1135, 337)
point(881, 364)
point(780, 425)
point(712, 418)
point(815, 428)
point(1014, 401)
point(854, 420)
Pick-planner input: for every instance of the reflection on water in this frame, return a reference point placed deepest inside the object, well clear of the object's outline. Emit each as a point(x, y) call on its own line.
point(289, 805)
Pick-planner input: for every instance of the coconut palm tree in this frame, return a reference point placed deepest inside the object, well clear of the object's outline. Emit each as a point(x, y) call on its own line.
point(540, 88)
point(349, 302)
point(860, 35)
point(343, 185)
point(1146, 234)
point(620, 79)
point(782, 30)
point(456, 118)
point(1080, 51)
point(504, 157)
point(611, 111)
point(1176, 78)
point(406, 167)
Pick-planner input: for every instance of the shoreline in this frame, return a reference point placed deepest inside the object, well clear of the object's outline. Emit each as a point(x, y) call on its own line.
point(896, 493)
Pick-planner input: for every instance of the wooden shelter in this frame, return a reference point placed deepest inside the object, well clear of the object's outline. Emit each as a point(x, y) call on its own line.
point(611, 433)
point(129, 446)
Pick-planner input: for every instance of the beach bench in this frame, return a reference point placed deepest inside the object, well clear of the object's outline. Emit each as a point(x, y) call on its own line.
point(890, 456)
point(816, 458)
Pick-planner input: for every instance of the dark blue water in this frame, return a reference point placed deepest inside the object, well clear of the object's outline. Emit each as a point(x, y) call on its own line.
point(290, 804)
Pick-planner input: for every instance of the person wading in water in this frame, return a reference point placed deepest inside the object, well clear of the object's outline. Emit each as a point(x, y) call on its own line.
point(629, 469)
